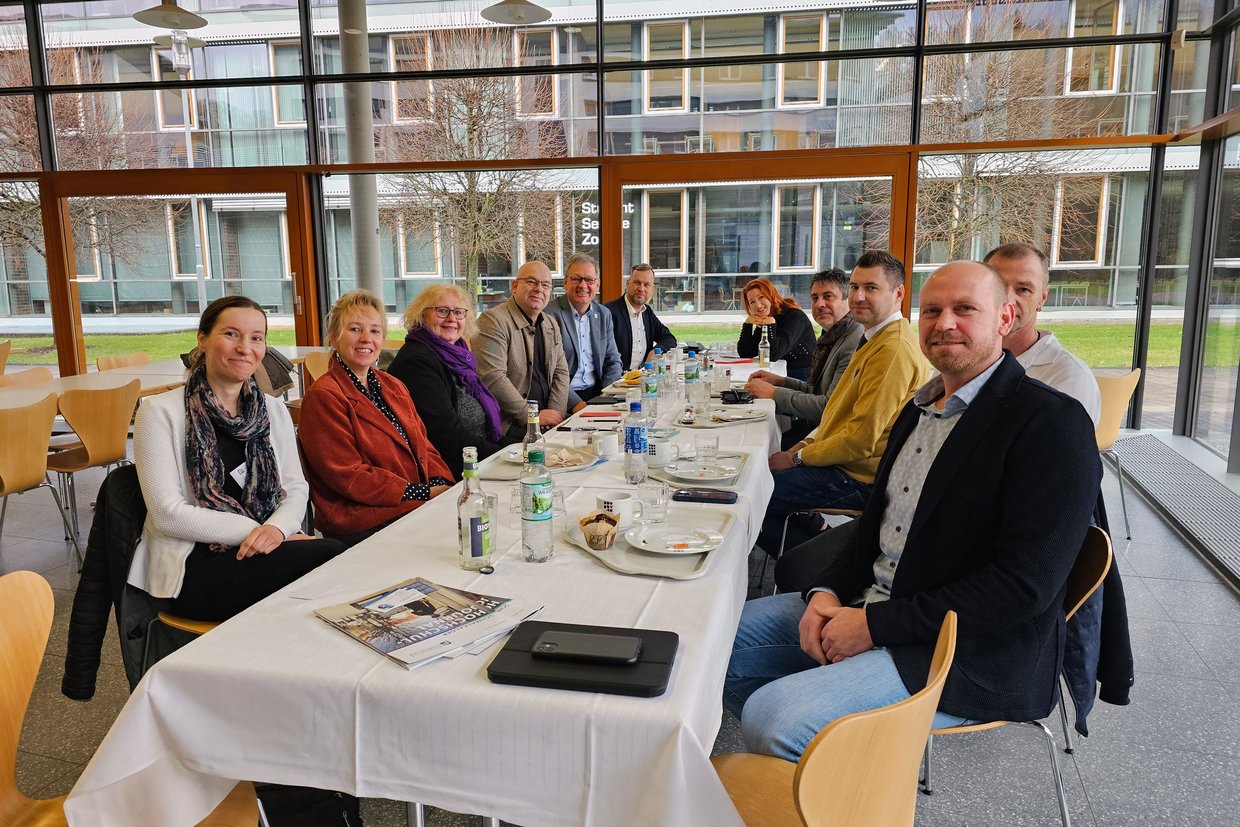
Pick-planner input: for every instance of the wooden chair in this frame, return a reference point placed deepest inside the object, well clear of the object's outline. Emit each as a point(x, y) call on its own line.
point(5, 346)
point(860, 769)
point(126, 360)
point(1090, 569)
point(29, 378)
point(23, 462)
point(100, 418)
point(26, 607)
point(197, 628)
point(315, 365)
point(1116, 391)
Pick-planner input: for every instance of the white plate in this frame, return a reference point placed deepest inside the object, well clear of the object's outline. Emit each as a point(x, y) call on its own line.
point(673, 539)
point(513, 454)
point(697, 471)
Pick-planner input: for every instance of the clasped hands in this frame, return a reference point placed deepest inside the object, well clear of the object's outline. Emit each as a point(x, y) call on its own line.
point(831, 632)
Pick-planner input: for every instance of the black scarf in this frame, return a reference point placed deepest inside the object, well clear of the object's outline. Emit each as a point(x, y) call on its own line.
point(822, 348)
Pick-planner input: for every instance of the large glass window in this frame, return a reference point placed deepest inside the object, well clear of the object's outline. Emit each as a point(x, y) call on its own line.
point(1030, 93)
point(537, 93)
point(706, 240)
point(470, 227)
point(1216, 400)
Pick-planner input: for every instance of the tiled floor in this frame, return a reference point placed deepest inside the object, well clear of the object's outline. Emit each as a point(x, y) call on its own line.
point(1172, 757)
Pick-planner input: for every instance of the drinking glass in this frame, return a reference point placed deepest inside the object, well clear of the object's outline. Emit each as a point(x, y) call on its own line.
point(558, 511)
point(655, 496)
point(514, 500)
point(493, 517)
point(707, 448)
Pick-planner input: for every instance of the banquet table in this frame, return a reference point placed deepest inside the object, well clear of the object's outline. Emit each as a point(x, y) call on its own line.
point(277, 695)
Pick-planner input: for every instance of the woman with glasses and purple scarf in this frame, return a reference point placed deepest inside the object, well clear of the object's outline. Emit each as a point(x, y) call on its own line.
point(441, 373)
point(224, 490)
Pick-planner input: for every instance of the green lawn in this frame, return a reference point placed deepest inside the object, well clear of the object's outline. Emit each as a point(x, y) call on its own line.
point(1100, 344)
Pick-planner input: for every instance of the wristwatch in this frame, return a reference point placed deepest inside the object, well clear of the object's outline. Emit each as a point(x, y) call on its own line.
point(796, 459)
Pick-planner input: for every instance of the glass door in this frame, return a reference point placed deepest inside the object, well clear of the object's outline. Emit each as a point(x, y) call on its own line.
point(141, 266)
point(706, 230)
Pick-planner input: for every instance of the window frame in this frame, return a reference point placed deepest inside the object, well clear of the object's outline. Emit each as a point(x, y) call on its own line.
point(171, 230)
point(1100, 231)
point(816, 212)
point(402, 248)
point(1114, 53)
point(394, 85)
point(283, 123)
point(684, 73)
point(823, 39)
point(191, 103)
point(517, 42)
point(684, 229)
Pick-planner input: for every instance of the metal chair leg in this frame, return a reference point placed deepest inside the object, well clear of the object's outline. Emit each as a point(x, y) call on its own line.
point(490, 821)
point(1068, 747)
point(1064, 815)
point(417, 815)
point(1119, 470)
point(926, 786)
point(65, 519)
point(4, 509)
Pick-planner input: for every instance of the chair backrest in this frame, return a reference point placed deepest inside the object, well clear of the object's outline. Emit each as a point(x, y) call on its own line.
point(1089, 570)
point(316, 364)
point(23, 462)
point(101, 419)
point(29, 378)
point(862, 768)
point(125, 360)
point(5, 346)
point(1115, 392)
point(25, 620)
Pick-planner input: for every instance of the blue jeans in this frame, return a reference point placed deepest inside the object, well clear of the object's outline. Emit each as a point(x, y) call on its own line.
point(784, 697)
point(807, 487)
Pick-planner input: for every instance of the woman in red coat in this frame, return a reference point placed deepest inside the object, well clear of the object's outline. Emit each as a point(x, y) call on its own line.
point(367, 456)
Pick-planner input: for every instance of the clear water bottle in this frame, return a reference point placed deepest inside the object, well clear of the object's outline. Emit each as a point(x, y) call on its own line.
point(650, 392)
point(635, 445)
point(537, 501)
point(764, 350)
point(691, 370)
point(533, 434)
point(660, 364)
point(473, 519)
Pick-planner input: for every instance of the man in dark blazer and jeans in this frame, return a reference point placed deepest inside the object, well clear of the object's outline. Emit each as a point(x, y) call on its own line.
point(980, 505)
point(638, 329)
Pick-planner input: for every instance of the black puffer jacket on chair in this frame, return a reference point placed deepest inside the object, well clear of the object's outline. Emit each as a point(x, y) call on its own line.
point(114, 534)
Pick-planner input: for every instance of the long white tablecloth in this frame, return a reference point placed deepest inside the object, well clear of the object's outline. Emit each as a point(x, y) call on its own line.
point(277, 695)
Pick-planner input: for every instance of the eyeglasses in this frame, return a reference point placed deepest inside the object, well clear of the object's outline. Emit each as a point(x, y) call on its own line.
point(582, 280)
point(458, 313)
point(535, 284)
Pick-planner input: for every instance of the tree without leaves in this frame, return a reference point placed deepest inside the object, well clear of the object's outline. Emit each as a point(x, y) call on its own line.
point(478, 119)
point(969, 200)
point(92, 131)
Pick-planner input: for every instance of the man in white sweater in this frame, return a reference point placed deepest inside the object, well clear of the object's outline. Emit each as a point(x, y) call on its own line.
point(1026, 271)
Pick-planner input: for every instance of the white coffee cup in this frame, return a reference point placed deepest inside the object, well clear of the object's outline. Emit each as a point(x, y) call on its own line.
point(607, 443)
point(621, 503)
point(660, 452)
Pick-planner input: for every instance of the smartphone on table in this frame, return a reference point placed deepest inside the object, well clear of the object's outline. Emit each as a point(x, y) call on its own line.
point(587, 648)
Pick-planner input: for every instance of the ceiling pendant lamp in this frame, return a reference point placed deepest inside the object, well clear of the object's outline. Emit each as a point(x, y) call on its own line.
point(515, 13)
point(168, 15)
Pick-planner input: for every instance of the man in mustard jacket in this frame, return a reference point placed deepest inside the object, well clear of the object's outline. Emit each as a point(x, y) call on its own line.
point(834, 466)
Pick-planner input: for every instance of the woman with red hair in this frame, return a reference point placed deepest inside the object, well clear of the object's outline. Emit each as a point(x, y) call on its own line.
point(787, 327)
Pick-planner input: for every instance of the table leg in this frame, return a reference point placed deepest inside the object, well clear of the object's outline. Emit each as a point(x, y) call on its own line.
point(417, 815)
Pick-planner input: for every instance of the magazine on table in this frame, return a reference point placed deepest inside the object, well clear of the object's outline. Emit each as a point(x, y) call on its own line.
point(417, 621)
